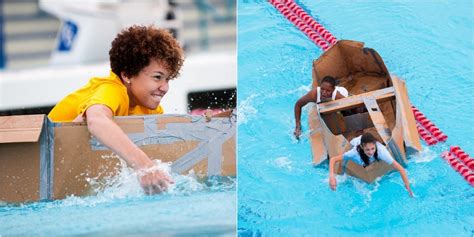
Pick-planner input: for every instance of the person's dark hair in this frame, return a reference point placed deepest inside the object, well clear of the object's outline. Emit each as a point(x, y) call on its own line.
point(134, 47)
point(330, 80)
point(367, 138)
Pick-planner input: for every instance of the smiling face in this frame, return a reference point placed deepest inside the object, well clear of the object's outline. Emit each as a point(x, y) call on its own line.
point(369, 149)
point(326, 90)
point(149, 86)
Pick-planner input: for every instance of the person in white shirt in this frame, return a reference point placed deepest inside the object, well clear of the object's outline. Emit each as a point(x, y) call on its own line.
point(365, 151)
point(327, 91)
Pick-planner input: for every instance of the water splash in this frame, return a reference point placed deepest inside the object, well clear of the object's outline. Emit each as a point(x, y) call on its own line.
point(124, 184)
point(283, 163)
point(246, 110)
point(426, 155)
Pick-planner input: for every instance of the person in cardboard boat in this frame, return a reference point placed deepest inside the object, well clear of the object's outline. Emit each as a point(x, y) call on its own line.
point(366, 150)
point(326, 92)
point(143, 60)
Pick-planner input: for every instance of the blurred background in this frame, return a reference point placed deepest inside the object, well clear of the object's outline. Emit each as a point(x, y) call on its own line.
point(49, 48)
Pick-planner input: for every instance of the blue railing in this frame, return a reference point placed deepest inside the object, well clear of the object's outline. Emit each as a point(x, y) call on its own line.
point(2, 38)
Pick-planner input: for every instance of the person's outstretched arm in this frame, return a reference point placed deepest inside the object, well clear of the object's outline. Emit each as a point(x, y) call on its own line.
point(403, 173)
point(102, 126)
point(311, 96)
point(332, 178)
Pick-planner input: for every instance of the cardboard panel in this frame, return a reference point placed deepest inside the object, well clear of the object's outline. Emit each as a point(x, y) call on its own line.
point(364, 84)
point(163, 121)
point(228, 153)
point(377, 118)
point(75, 162)
point(77, 157)
point(389, 112)
point(131, 124)
point(335, 123)
point(54, 160)
point(317, 145)
point(369, 173)
point(330, 63)
point(410, 133)
point(335, 145)
point(355, 100)
point(20, 128)
point(19, 172)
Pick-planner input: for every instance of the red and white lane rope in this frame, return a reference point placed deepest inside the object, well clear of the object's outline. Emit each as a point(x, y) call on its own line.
point(302, 26)
point(310, 21)
point(434, 134)
point(462, 156)
point(458, 164)
point(455, 156)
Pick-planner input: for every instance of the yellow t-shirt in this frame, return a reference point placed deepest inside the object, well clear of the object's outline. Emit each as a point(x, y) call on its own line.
point(108, 91)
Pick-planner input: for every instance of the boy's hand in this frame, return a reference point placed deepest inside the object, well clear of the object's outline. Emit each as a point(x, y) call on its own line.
point(154, 182)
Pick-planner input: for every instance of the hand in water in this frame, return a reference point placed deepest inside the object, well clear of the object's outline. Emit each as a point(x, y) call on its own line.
point(410, 192)
point(155, 181)
point(297, 133)
point(332, 183)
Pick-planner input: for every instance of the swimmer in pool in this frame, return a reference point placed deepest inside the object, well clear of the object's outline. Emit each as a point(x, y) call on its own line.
point(367, 150)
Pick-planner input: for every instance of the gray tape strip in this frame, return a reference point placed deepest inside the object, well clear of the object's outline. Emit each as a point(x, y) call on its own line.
point(211, 136)
point(191, 158)
point(197, 130)
point(46, 160)
point(151, 126)
point(214, 161)
point(212, 149)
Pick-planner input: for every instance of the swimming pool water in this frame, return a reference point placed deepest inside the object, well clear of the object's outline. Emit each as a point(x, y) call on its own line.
point(428, 44)
point(191, 207)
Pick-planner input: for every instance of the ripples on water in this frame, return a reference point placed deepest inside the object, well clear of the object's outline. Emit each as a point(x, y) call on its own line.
point(120, 207)
point(429, 45)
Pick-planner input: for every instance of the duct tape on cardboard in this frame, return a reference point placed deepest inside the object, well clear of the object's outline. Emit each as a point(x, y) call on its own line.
point(211, 136)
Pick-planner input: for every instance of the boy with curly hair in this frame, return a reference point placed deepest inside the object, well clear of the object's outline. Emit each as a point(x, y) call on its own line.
point(143, 59)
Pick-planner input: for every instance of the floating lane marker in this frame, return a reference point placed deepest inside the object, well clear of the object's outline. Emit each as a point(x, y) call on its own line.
point(300, 24)
point(459, 166)
point(310, 21)
point(462, 156)
point(426, 124)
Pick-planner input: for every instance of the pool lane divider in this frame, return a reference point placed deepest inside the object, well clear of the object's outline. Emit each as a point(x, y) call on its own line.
point(462, 156)
point(310, 21)
point(428, 131)
point(458, 164)
point(300, 24)
point(425, 135)
point(459, 160)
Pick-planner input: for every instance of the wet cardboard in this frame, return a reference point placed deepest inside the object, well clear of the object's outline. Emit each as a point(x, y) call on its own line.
point(20, 138)
point(363, 72)
point(76, 157)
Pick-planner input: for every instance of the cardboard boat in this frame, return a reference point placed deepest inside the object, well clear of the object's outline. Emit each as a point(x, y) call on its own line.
point(43, 160)
point(383, 98)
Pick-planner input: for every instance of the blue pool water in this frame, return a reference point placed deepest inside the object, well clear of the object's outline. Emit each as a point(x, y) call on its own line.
point(205, 208)
point(280, 193)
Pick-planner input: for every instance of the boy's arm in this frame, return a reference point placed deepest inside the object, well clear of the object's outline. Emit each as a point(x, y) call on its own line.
point(102, 126)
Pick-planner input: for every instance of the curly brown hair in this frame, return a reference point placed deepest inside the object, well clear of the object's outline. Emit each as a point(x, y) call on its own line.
point(134, 47)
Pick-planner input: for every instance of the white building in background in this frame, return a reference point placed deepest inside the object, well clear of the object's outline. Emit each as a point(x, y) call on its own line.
point(43, 65)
